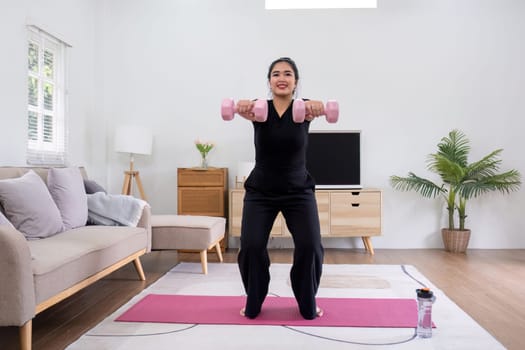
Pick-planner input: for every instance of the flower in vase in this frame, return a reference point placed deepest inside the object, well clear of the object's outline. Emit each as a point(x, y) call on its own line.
point(204, 147)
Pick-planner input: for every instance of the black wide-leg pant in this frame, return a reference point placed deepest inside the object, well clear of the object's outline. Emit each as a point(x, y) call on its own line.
point(302, 219)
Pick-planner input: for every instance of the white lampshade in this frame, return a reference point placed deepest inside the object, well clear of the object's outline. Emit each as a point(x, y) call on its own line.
point(133, 139)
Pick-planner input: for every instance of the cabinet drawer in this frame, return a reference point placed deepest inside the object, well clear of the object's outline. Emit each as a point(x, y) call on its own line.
point(186, 177)
point(355, 213)
point(201, 201)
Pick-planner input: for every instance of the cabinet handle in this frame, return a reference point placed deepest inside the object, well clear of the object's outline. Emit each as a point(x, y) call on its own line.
point(355, 204)
point(355, 193)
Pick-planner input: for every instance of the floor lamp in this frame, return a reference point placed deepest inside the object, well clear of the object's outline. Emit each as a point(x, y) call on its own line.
point(133, 140)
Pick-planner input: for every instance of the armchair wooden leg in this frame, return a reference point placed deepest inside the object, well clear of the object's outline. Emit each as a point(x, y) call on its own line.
point(25, 335)
point(204, 261)
point(219, 252)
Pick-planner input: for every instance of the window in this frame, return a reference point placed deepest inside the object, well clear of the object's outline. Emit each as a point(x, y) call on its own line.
point(46, 119)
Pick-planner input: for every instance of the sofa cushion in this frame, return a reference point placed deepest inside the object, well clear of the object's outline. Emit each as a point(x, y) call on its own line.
point(29, 206)
point(93, 187)
point(67, 189)
point(74, 255)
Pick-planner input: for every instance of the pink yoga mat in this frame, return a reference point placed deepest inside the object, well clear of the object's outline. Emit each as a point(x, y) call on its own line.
point(338, 312)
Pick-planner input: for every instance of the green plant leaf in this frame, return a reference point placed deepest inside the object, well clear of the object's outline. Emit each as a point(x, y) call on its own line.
point(412, 182)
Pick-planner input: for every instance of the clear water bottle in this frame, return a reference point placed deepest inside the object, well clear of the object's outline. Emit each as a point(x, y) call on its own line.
point(425, 299)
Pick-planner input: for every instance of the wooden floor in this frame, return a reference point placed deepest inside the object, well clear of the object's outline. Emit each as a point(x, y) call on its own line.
point(487, 284)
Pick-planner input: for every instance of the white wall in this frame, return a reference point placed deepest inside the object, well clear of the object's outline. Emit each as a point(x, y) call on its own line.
point(405, 74)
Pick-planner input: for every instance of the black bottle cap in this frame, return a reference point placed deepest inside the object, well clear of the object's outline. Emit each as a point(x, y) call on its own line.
point(424, 293)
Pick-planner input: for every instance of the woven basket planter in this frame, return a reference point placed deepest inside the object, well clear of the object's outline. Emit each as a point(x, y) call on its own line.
point(456, 241)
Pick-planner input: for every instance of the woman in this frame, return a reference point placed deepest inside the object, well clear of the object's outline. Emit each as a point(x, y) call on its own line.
point(280, 183)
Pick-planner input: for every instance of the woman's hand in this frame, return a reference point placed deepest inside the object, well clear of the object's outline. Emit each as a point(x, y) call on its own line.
point(313, 109)
point(245, 109)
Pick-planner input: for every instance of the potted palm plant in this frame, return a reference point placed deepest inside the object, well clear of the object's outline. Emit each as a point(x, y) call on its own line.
point(460, 182)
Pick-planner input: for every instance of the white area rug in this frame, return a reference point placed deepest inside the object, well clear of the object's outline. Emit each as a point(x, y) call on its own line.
point(455, 329)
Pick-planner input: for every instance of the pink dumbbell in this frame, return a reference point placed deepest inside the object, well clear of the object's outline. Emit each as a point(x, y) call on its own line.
point(260, 109)
point(331, 111)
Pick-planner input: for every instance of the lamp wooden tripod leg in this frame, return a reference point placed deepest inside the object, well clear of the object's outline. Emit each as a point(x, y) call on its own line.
point(129, 175)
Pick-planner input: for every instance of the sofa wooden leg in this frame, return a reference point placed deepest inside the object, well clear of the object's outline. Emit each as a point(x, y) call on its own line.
point(204, 261)
point(25, 335)
point(138, 267)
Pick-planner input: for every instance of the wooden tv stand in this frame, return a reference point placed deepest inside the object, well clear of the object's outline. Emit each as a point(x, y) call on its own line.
point(342, 213)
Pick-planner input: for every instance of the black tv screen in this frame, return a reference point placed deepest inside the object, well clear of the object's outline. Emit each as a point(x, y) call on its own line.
point(333, 158)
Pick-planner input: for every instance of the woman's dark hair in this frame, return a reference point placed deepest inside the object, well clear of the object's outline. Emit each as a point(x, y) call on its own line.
point(287, 60)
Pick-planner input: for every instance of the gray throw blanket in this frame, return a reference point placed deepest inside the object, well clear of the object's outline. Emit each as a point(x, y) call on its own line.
point(114, 209)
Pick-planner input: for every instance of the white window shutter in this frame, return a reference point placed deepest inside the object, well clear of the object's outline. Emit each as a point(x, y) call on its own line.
point(46, 108)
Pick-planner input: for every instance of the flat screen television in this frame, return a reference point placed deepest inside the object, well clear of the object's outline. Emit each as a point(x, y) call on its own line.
point(333, 158)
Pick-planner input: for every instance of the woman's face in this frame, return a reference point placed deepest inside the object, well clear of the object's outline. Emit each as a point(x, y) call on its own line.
point(282, 80)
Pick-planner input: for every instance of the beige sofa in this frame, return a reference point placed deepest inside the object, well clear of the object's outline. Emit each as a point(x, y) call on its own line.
point(35, 274)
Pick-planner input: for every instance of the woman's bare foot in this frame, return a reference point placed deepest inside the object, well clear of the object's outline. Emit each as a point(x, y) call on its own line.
point(319, 311)
point(242, 312)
